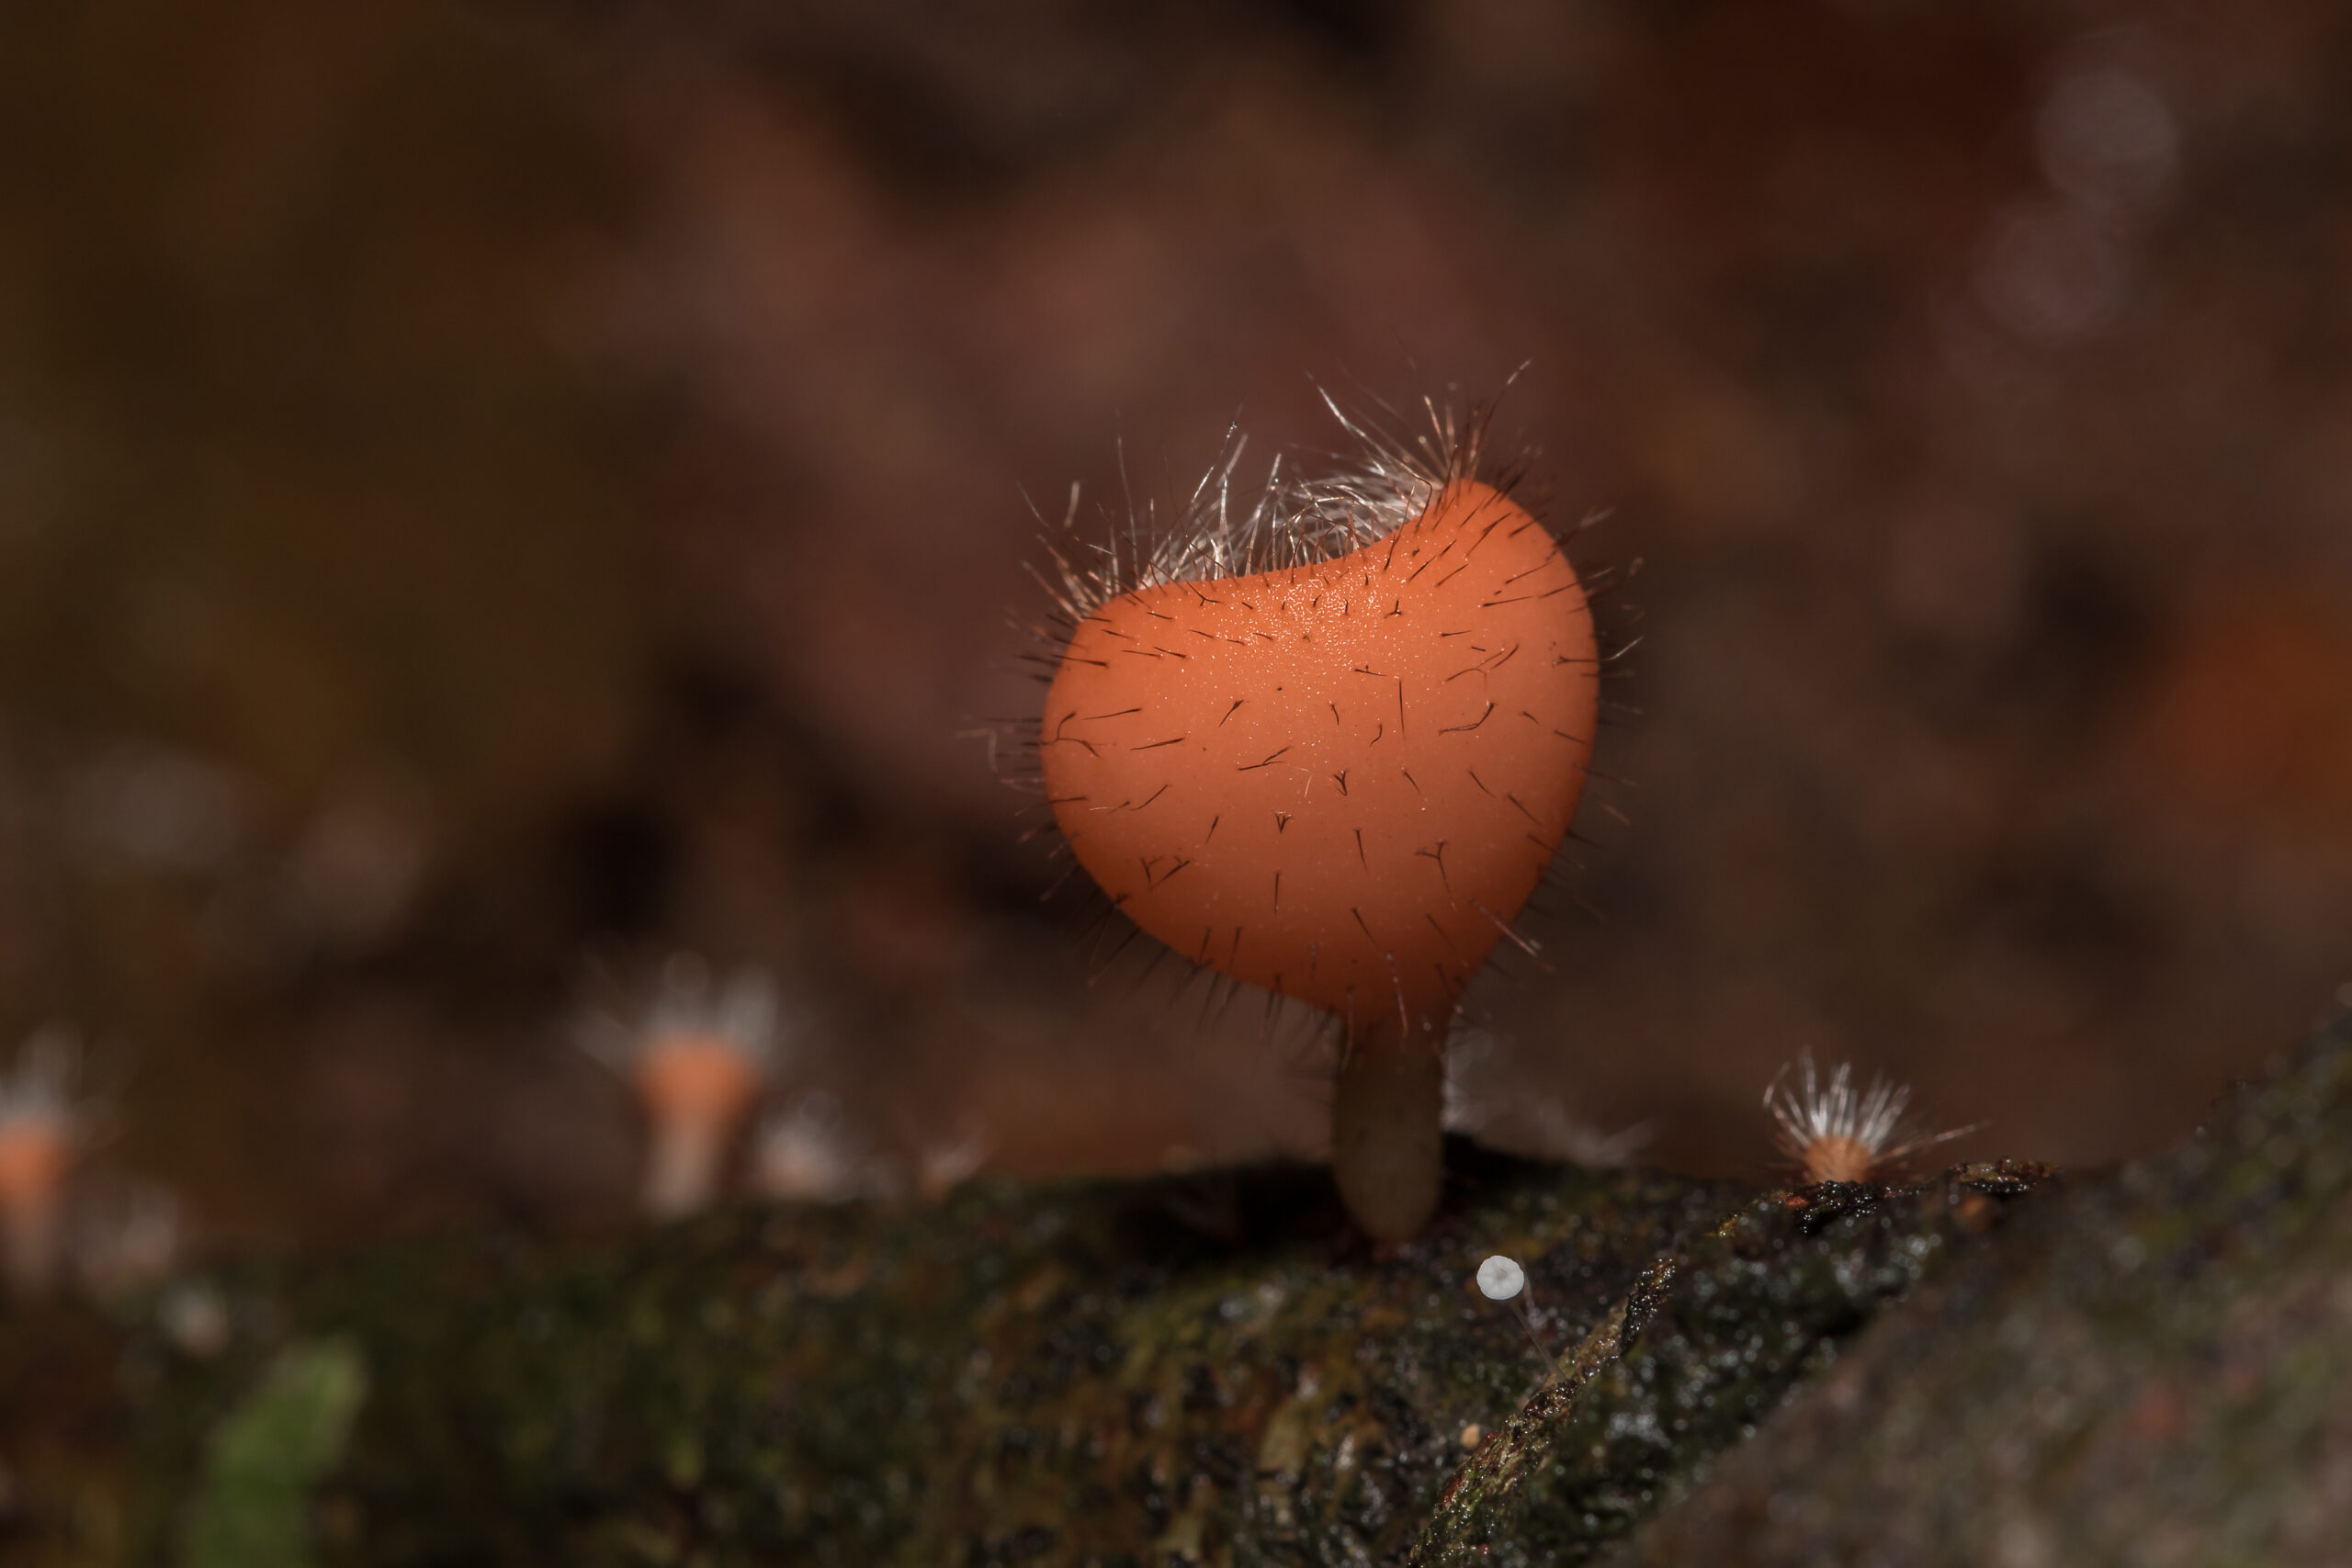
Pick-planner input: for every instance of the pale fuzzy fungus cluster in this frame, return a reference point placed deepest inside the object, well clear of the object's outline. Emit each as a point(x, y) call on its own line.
point(803, 1154)
point(807, 1153)
point(699, 1060)
point(128, 1236)
point(1836, 1133)
point(940, 1167)
point(1497, 1109)
point(195, 1316)
point(1560, 1134)
point(41, 1129)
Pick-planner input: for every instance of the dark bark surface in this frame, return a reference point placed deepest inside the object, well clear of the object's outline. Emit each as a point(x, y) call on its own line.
point(2147, 1364)
point(2156, 1367)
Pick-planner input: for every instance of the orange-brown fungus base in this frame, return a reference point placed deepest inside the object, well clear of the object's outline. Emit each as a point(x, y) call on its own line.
point(693, 1078)
point(33, 1156)
point(1839, 1159)
point(1337, 782)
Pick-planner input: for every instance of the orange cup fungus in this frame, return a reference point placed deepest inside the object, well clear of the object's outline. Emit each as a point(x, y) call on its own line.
point(1340, 781)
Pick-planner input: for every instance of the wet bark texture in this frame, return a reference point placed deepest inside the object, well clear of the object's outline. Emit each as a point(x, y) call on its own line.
point(1992, 1366)
point(2156, 1368)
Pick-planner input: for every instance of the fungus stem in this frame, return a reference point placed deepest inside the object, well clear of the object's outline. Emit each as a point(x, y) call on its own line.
point(682, 1168)
point(696, 1091)
point(1387, 1142)
point(1544, 1356)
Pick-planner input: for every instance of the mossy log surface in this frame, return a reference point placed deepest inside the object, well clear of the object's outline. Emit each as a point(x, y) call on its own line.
point(2156, 1367)
point(1208, 1370)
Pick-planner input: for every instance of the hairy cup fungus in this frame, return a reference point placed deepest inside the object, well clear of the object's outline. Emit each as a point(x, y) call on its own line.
point(1328, 747)
point(1835, 1133)
point(697, 1061)
point(40, 1130)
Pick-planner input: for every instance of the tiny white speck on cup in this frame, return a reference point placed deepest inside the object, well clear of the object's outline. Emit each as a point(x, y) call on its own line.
point(1501, 1277)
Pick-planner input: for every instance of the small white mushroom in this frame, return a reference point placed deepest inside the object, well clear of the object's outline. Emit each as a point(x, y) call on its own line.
point(1501, 1278)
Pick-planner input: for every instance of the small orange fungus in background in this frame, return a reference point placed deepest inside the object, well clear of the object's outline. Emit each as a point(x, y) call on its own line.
point(1340, 779)
point(698, 1062)
point(1835, 1132)
point(40, 1131)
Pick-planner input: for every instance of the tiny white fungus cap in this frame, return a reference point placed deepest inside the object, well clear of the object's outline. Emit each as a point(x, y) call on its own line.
point(1501, 1278)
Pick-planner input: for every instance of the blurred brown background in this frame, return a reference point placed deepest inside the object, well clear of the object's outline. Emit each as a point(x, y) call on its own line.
point(488, 490)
